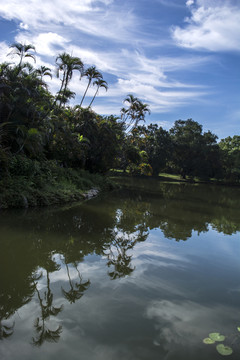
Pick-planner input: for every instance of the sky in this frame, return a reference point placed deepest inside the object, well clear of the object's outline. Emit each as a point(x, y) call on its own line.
point(181, 57)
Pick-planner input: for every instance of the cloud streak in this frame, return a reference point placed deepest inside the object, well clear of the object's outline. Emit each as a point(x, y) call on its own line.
point(111, 37)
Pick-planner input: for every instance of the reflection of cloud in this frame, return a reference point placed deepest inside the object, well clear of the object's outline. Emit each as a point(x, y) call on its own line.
point(186, 323)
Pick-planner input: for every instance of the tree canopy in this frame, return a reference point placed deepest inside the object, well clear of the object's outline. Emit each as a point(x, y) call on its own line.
point(41, 126)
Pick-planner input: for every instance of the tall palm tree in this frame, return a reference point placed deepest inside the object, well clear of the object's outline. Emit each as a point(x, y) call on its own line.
point(22, 50)
point(67, 64)
point(91, 73)
point(135, 112)
point(100, 83)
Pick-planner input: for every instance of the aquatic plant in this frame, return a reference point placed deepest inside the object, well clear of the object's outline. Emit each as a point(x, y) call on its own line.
point(222, 349)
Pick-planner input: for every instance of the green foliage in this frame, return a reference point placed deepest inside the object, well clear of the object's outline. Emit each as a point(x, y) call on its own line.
point(224, 350)
point(194, 153)
point(145, 169)
point(30, 183)
point(230, 148)
point(217, 337)
point(134, 113)
point(38, 129)
point(208, 340)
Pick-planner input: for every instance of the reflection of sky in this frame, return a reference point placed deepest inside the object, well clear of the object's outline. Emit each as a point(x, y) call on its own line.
point(178, 293)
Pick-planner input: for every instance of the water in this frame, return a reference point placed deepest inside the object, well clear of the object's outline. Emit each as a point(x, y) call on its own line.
point(145, 272)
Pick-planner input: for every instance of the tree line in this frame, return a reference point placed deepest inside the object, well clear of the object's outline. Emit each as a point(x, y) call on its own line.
point(40, 126)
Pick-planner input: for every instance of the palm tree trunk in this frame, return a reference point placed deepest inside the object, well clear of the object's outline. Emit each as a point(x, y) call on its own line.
point(63, 86)
point(93, 97)
point(89, 82)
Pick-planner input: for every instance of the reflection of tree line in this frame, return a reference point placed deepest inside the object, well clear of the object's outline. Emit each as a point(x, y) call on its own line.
point(48, 310)
point(39, 253)
point(180, 209)
point(118, 258)
point(111, 232)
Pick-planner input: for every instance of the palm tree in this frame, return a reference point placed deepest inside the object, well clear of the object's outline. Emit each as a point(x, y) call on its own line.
point(91, 73)
point(43, 71)
point(67, 64)
point(135, 112)
point(22, 50)
point(99, 83)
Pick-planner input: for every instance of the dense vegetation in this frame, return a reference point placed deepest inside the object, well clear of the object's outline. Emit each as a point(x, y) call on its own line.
point(46, 145)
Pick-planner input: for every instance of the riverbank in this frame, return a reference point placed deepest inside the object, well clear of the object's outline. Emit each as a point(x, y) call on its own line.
point(31, 183)
point(175, 178)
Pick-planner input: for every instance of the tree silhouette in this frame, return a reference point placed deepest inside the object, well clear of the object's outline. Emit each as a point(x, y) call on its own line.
point(23, 51)
point(43, 71)
point(91, 73)
point(66, 64)
point(100, 83)
point(134, 113)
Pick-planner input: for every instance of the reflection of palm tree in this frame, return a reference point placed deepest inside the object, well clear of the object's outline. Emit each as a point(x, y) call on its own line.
point(12, 298)
point(47, 310)
point(76, 289)
point(5, 330)
point(119, 258)
point(45, 334)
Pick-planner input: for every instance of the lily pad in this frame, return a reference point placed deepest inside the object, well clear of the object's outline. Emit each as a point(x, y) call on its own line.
point(216, 337)
point(224, 350)
point(238, 328)
point(208, 341)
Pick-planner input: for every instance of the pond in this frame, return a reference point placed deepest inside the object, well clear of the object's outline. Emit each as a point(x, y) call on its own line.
point(144, 272)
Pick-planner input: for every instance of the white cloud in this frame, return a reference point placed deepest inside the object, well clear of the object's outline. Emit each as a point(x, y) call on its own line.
point(213, 26)
point(24, 26)
point(99, 18)
point(81, 28)
point(45, 43)
point(4, 50)
point(189, 2)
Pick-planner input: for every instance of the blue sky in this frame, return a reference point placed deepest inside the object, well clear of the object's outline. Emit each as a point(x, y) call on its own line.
point(179, 56)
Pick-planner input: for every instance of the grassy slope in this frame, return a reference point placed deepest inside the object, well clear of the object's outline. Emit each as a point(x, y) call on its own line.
point(46, 183)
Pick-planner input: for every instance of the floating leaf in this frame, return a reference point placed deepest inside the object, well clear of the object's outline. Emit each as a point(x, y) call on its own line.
point(238, 328)
point(216, 337)
point(224, 350)
point(208, 341)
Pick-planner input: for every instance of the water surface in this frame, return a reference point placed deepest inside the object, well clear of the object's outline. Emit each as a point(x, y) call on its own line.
point(145, 272)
